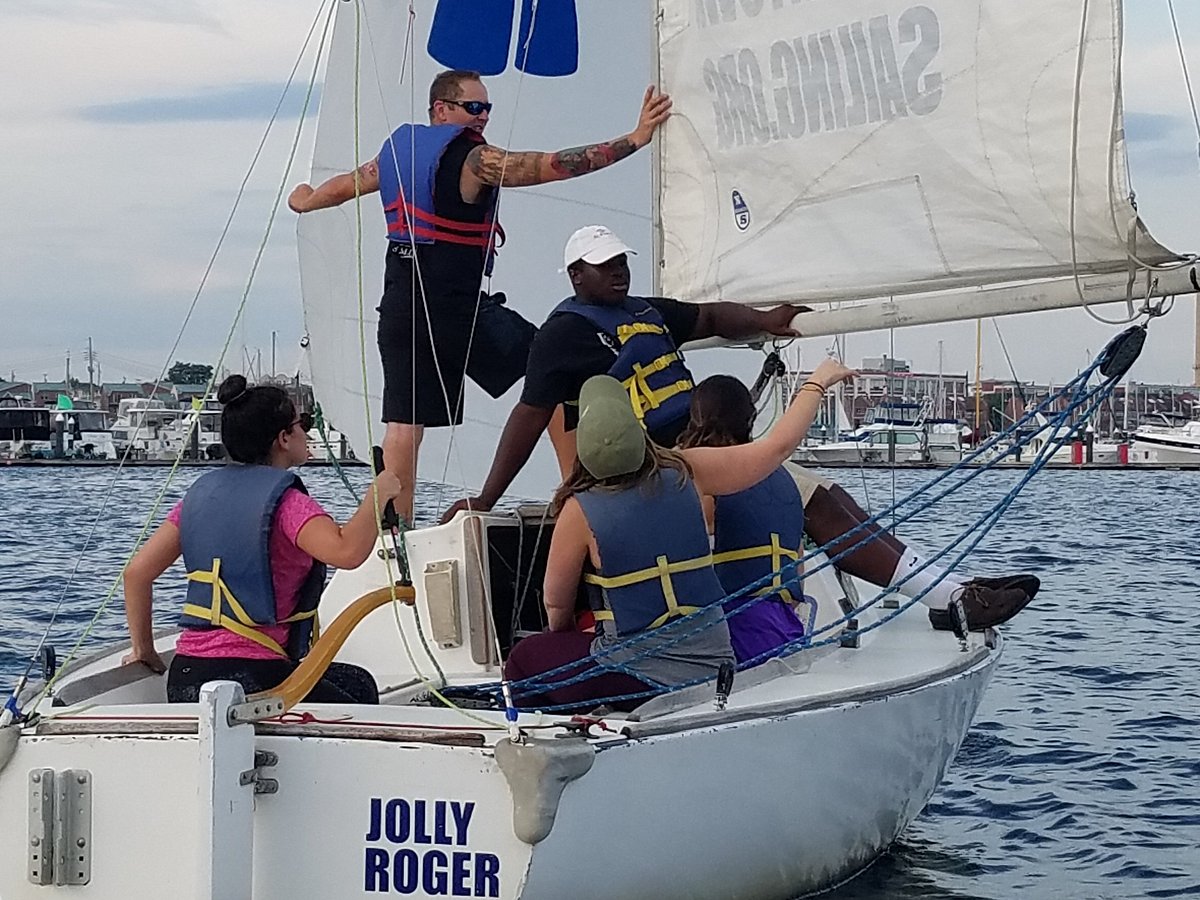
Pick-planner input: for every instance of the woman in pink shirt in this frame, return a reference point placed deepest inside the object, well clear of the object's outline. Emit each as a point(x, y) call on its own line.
point(255, 546)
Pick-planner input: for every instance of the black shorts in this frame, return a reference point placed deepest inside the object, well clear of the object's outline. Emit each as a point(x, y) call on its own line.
point(424, 347)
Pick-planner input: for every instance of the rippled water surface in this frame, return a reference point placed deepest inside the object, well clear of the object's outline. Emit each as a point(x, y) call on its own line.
point(1081, 775)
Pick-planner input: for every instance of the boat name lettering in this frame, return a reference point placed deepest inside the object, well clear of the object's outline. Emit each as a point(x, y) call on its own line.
point(433, 872)
point(862, 72)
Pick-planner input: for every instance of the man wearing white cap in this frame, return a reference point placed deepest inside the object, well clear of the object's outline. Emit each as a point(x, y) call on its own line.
point(603, 330)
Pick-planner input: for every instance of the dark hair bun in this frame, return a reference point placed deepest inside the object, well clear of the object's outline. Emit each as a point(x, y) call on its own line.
point(231, 388)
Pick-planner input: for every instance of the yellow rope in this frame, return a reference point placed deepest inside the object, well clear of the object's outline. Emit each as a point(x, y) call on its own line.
point(153, 514)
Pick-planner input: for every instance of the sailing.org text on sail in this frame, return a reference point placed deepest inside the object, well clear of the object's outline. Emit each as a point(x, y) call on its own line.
point(866, 71)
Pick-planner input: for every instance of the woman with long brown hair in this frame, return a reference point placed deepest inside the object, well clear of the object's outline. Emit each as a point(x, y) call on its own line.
point(754, 531)
point(631, 526)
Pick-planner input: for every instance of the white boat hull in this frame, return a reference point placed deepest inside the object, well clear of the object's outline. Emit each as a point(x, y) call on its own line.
point(771, 806)
point(816, 765)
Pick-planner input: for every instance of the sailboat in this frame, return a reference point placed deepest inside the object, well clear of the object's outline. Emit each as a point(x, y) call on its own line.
point(915, 164)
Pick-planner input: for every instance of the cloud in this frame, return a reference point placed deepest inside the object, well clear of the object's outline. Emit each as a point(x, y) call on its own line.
point(240, 102)
point(109, 11)
point(1145, 126)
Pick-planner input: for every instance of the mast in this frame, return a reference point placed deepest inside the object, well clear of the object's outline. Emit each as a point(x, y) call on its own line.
point(1196, 347)
point(978, 374)
point(91, 369)
point(656, 229)
point(941, 388)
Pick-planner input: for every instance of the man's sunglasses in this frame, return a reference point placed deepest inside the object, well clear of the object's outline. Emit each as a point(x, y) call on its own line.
point(305, 421)
point(471, 107)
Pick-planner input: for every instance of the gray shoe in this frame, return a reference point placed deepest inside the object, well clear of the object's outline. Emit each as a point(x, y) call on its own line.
point(989, 601)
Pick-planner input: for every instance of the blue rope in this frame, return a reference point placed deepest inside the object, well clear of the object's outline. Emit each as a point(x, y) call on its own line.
point(793, 574)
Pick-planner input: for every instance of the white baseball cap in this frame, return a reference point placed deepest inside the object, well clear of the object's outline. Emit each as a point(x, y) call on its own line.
point(593, 244)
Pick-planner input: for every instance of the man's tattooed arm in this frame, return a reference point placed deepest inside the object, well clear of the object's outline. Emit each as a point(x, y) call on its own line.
point(500, 168)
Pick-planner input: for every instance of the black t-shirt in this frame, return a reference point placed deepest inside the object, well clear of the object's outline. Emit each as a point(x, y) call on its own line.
point(568, 350)
point(453, 272)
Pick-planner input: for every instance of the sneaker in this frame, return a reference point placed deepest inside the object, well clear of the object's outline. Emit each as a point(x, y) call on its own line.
point(989, 601)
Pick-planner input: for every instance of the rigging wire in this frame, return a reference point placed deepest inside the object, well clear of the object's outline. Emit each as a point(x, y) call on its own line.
point(971, 536)
point(162, 375)
point(418, 286)
point(1187, 78)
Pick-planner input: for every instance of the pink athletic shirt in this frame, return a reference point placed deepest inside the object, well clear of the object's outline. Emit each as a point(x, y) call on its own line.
point(289, 568)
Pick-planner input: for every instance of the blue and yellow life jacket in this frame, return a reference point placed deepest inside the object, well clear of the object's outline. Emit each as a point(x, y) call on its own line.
point(408, 166)
point(224, 530)
point(756, 531)
point(655, 563)
point(646, 359)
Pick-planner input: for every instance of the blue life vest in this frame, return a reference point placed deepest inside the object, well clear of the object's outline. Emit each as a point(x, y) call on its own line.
point(756, 531)
point(655, 563)
point(645, 358)
point(408, 166)
point(224, 530)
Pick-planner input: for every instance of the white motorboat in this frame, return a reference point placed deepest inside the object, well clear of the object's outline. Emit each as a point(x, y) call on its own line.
point(891, 433)
point(79, 432)
point(1166, 443)
point(146, 428)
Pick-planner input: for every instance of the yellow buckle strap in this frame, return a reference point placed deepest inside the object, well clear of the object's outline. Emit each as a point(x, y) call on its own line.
point(662, 570)
point(237, 628)
point(630, 578)
point(777, 554)
point(625, 332)
point(240, 622)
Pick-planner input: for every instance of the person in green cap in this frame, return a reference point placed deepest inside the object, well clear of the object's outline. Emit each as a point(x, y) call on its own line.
point(630, 526)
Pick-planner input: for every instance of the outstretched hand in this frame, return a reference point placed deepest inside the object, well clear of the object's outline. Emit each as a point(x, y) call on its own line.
point(298, 198)
point(656, 109)
point(148, 656)
point(778, 321)
point(467, 504)
point(830, 372)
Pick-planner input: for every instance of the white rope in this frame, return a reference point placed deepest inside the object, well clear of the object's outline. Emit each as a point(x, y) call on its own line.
point(1187, 78)
point(87, 543)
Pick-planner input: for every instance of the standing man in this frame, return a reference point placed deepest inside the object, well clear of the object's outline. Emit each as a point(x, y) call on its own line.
point(438, 184)
point(603, 330)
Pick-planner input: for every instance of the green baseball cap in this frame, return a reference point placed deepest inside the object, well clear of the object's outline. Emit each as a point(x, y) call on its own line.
point(609, 439)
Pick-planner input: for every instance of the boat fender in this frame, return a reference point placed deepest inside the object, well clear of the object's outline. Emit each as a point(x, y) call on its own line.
point(537, 771)
point(8, 743)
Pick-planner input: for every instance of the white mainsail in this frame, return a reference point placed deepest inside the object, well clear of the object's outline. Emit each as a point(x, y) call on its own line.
point(919, 158)
point(850, 149)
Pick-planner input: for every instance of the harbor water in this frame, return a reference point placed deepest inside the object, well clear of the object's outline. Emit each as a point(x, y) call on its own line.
point(1081, 775)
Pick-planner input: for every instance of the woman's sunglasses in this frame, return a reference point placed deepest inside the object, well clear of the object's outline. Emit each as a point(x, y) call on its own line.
point(305, 421)
point(471, 107)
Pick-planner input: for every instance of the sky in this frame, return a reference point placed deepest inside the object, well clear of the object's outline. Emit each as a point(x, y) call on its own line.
point(128, 128)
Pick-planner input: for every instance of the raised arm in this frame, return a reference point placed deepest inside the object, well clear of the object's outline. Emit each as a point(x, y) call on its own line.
point(348, 546)
point(337, 190)
point(521, 432)
point(497, 167)
point(727, 470)
point(155, 557)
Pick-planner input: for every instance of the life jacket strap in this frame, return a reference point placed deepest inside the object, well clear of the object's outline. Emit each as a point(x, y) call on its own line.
point(662, 570)
point(642, 396)
point(239, 622)
point(629, 329)
point(416, 222)
point(777, 554)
